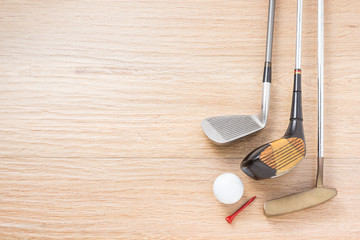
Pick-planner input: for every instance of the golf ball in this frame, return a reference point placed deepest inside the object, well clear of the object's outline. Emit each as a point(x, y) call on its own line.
point(228, 188)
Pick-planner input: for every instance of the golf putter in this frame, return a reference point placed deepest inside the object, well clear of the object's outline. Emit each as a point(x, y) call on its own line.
point(319, 194)
point(278, 157)
point(223, 130)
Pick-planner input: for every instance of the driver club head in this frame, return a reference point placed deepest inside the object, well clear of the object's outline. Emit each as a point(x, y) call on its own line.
point(278, 157)
point(274, 159)
point(298, 201)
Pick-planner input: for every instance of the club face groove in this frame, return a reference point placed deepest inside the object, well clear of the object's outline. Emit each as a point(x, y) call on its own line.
point(298, 201)
point(225, 129)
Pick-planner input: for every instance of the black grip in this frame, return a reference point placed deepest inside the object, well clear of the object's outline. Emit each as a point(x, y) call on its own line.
point(267, 72)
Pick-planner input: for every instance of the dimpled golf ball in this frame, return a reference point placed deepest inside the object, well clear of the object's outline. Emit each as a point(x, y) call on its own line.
point(228, 188)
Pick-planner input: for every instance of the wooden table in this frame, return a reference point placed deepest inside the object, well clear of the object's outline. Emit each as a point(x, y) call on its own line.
point(101, 104)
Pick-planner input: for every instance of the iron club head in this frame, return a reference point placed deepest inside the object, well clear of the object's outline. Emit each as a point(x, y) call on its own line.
point(223, 130)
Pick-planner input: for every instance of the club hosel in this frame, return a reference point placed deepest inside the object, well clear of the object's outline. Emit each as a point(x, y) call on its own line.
point(319, 176)
point(296, 107)
point(267, 72)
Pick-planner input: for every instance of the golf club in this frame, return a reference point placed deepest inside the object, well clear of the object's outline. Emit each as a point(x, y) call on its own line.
point(319, 194)
point(226, 129)
point(279, 157)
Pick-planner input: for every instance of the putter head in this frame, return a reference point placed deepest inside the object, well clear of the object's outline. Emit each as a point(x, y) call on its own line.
point(278, 157)
point(298, 201)
point(225, 129)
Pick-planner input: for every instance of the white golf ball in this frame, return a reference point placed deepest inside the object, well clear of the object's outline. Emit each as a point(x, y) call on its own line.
point(228, 188)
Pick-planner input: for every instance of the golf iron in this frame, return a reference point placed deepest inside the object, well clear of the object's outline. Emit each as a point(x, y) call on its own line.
point(319, 194)
point(226, 129)
point(279, 157)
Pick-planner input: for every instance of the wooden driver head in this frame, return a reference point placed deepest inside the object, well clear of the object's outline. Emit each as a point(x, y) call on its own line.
point(276, 158)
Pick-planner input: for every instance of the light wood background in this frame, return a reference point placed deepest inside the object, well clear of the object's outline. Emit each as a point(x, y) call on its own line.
point(100, 111)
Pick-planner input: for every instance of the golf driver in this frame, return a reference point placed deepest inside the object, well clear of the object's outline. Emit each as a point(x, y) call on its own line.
point(279, 157)
point(226, 129)
point(319, 194)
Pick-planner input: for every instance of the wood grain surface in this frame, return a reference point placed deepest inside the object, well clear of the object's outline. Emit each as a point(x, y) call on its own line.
point(100, 111)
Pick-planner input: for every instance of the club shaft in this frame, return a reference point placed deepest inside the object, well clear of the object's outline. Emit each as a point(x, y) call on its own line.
point(296, 106)
point(298, 35)
point(320, 72)
point(270, 31)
